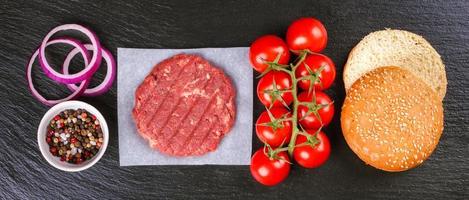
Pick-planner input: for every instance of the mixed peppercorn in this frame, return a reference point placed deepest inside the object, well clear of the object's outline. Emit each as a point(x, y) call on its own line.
point(74, 136)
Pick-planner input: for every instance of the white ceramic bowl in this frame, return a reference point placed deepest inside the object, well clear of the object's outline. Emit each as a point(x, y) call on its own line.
point(44, 147)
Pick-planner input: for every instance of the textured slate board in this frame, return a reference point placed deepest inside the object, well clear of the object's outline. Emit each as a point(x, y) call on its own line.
point(191, 24)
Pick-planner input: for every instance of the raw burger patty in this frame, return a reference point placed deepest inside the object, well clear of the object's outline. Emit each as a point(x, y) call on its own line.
point(185, 106)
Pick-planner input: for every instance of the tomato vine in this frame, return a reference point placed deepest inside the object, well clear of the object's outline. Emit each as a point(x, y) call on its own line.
point(296, 132)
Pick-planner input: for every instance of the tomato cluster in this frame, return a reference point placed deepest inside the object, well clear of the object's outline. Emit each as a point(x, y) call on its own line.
point(296, 107)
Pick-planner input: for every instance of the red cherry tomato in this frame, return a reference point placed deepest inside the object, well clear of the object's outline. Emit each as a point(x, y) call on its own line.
point(274, 132)
point(312, 157)
point(270, 95)
point(307, 33)
point(267, 48)
point(316, 62)
point(269, 171)
point(323, 106)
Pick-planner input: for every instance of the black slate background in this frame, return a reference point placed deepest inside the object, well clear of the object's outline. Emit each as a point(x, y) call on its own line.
point(24, 174)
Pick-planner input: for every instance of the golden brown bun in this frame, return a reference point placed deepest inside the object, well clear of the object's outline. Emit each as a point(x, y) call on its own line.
point(391, 119)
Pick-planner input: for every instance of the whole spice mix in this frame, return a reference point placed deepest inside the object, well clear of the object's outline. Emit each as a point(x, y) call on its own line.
point(74, 136)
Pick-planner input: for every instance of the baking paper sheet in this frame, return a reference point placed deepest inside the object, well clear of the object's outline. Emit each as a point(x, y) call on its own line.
point(133, 67)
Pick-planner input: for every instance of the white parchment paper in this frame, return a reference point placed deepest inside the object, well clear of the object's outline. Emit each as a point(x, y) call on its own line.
point(133, 67)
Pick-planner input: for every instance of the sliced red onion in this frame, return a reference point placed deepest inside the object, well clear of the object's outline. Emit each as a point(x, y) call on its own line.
point(87, 72)
point(110, 73)
point(76, 93)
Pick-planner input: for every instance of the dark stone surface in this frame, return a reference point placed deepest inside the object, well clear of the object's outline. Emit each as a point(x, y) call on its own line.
point(24, 174)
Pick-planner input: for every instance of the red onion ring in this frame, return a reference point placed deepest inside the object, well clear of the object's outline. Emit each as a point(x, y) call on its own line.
point(87, 72)
point(110, 73)
point(80, 88)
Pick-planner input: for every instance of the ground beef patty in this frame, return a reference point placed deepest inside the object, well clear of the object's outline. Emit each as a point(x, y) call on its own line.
point(185, 106)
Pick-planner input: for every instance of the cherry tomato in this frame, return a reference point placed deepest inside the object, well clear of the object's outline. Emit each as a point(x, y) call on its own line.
point(270, 95)
point(312, 157)
point(323, 107)
point(274, 132)
point(307, 33)
point(316, 62)
point(267, 48)
point(270, 171)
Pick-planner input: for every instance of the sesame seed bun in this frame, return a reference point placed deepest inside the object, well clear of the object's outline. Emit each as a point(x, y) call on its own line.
point(396, 48)
point(391, 119)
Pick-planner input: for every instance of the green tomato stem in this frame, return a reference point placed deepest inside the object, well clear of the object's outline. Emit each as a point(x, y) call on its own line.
point(295, 130)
